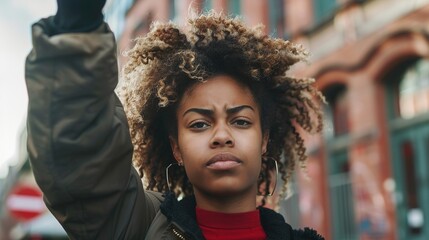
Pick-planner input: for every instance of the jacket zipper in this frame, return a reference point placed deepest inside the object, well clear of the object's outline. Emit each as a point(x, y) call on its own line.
point(178, 233)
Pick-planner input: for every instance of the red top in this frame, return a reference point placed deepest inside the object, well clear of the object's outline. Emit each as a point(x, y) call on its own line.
point(230, 226)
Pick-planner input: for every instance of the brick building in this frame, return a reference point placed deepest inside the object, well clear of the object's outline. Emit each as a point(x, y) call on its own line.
point(369, 171)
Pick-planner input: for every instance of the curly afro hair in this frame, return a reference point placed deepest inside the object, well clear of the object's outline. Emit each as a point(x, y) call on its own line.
point(168, 61)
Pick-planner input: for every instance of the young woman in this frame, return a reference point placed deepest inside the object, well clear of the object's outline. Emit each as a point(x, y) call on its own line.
point(213, 119)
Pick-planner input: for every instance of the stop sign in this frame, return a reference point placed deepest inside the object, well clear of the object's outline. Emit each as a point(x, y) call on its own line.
point(25, 202)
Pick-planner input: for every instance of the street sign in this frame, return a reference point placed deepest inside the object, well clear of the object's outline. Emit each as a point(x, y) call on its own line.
point(25, 202)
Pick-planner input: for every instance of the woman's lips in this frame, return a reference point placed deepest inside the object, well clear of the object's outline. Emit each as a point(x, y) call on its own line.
point(223, 161)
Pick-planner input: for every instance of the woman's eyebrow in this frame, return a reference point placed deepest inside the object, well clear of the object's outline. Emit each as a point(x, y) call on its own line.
point(210, 112)
point(237, 109)
point(202, 111)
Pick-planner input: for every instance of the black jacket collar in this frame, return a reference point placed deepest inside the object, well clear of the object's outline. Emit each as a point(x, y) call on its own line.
point(183, 214)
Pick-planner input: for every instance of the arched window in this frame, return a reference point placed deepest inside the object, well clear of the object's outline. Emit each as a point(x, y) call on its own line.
point(336, 112)
point(407, 87)
point(337, 143)
point(412, 90)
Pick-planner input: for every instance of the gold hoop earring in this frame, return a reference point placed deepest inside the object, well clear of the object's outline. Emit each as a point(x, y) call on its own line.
point(265, 158)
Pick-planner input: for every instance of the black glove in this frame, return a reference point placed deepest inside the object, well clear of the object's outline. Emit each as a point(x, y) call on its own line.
point(78, 15)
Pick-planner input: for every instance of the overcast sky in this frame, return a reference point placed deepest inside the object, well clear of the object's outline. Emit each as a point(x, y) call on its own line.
point(16, 17)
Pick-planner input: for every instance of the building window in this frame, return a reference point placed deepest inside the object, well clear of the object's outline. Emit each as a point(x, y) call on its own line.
point(407, 95)
point(172, 10)
point(412, 90)
point(277, 25)
point(336, 112)
point(323, 10)
point(234, 7)
point(341, 196)
point(206, 5)
point(337, 144)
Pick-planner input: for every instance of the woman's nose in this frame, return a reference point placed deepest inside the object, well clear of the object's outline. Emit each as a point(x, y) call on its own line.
point(222, 137)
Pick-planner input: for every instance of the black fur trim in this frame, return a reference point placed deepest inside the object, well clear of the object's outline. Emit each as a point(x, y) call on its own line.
point(307, 234)
point(274, 225)
point(182, 213)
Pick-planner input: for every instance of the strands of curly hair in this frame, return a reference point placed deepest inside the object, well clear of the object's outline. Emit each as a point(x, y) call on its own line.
point(167, 61)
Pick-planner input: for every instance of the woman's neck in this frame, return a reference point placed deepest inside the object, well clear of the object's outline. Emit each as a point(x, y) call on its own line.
point(226, 204)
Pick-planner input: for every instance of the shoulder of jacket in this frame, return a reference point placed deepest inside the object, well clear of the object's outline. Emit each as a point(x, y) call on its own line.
point(306, 234)
point(156, 198)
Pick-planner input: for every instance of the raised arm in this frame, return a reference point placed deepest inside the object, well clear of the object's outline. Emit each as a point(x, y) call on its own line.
point(78, 137)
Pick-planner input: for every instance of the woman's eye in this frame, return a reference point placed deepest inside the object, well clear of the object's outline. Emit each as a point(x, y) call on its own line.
point(199, 125)
point(241, 123)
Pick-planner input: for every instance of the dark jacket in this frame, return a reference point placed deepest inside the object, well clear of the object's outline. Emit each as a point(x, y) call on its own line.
point(80, 148)
point(180, 216)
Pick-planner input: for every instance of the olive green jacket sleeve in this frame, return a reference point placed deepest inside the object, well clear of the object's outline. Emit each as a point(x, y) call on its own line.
point(78, 138)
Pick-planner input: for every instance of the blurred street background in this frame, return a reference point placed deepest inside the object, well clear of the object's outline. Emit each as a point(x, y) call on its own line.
point(367, 176)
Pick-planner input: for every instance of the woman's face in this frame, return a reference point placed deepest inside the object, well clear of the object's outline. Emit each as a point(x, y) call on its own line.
point(220, 140)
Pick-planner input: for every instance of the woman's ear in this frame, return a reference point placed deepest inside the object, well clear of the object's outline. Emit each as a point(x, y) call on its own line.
point(265, 140)
point(176, 150)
